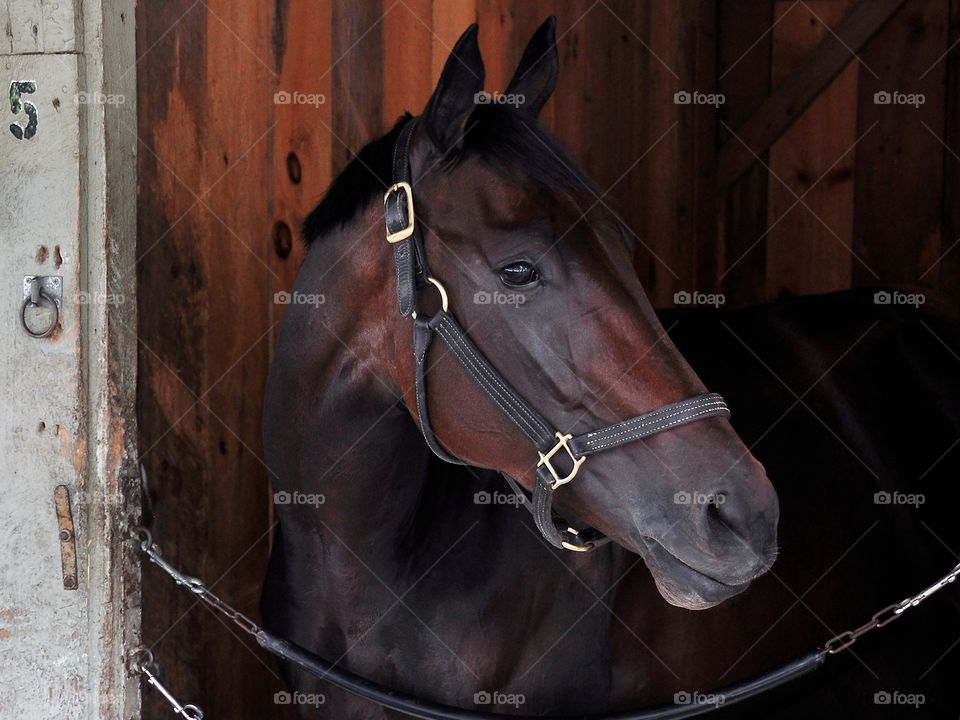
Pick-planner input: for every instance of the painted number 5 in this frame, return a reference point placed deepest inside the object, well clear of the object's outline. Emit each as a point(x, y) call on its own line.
point(18, 87)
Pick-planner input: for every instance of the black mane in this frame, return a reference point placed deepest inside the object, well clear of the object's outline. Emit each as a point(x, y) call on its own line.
point(503, 136)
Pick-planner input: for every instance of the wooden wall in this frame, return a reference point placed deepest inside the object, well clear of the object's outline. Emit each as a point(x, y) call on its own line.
point(798, 183)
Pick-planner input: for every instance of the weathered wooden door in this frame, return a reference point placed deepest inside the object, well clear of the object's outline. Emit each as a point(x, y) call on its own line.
point(68, 579)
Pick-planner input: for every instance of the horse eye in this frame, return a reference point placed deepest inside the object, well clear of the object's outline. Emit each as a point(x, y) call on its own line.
point(519, 274)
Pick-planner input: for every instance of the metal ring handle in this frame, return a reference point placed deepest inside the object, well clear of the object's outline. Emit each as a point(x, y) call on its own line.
point(444, 303)
point(28, 302)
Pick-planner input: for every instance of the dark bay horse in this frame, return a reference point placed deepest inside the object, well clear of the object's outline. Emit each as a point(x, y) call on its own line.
point(428, 577)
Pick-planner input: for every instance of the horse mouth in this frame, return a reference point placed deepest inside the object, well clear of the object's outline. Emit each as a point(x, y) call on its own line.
point(684, 586)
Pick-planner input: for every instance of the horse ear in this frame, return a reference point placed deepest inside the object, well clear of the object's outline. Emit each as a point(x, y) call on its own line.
point(536, 76)
point(455, 96)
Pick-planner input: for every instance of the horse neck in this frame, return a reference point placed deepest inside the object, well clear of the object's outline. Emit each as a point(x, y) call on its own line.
point(335, 424)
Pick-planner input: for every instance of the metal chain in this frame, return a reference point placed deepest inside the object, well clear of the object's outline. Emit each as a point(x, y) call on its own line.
point(194, 584)
point(833, 646)
point(142, 661)
point(886, 616)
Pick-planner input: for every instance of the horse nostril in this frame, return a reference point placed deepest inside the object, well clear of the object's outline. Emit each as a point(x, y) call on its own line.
point(730, 510)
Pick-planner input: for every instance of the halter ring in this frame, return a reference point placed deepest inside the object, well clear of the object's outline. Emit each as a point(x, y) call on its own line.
point(444, 303)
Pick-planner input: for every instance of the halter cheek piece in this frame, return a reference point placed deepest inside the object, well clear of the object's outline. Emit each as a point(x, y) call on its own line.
point(552, 447)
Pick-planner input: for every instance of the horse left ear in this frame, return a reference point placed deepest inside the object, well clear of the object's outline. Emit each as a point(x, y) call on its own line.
point(536, 76)
point(456, 94)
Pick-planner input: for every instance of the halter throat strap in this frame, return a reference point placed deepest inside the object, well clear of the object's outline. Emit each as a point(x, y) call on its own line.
point(561, 455)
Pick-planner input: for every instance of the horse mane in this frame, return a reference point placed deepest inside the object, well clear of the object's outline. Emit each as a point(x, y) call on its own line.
point(504, 137)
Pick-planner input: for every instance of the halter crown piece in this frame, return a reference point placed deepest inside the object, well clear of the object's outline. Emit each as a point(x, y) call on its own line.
point(551, 446)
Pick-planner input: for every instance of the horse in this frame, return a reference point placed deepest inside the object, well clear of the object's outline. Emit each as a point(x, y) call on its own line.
point(427, 576)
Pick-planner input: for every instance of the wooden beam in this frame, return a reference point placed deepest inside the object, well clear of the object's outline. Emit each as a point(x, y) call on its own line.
point(792, 97)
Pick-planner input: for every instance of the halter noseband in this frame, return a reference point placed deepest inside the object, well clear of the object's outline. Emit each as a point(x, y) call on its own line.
point(410, 260)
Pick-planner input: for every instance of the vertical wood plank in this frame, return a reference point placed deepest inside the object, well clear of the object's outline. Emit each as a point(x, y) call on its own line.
point(898, 198)
point(450, 19)
point(653, 183)
point(498, 44)
point(745, 47)
point(408, 59)
point(236, 266)
point(806, 254)
point(205, 101)
point(525, 18)
point(658, 193)
point(357, 91)
point(302, 141)
point(173, 463)
point(698, 47)
point(574, 99)
point(44, 431)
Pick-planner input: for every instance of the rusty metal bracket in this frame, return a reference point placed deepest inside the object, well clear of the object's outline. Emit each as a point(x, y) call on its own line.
point(68, 539)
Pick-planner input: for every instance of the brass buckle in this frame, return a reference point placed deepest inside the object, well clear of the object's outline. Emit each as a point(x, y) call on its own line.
point(545, 461)
point(406, 232)
point(576, 535)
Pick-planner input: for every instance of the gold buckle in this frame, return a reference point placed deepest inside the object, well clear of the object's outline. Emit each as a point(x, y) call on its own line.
point(406, 232)
point(576, 548)
point(545, 460)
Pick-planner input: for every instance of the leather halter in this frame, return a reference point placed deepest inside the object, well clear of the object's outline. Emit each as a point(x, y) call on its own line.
point(412, 273)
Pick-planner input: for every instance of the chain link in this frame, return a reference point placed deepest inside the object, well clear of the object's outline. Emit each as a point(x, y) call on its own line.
point(194, 584)
point(886, 616)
